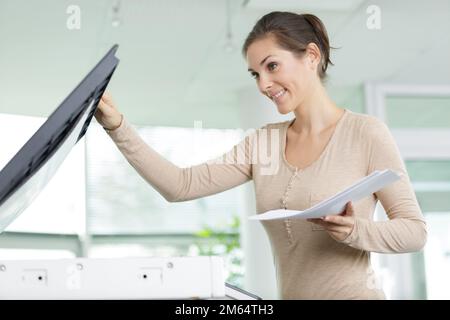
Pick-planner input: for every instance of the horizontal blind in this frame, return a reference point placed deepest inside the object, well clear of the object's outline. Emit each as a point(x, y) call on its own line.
point(119, 201)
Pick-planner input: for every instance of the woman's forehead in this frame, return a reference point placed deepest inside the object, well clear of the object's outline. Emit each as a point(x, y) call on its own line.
point(261, 49)
point(263, 45)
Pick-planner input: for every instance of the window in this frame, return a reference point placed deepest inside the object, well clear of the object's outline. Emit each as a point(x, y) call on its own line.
point(418, 117)
point(434, 112)
point(431, 181)
point(121, 202)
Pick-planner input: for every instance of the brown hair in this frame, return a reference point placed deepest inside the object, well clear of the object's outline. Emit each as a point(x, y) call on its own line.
point(293, 32)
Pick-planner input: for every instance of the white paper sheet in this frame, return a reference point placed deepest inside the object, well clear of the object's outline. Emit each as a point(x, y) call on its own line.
point(336, 204)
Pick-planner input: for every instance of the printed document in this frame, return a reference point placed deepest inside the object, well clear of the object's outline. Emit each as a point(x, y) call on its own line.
point(336, 204)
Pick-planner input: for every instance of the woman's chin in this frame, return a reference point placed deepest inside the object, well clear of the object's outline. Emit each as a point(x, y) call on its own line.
point(283, 109)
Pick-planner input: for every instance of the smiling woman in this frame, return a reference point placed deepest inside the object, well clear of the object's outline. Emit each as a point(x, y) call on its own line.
point(293, 32)
point(323, 150)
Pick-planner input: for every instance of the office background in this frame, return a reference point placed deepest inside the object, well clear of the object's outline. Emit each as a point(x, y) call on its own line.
point(183, 82)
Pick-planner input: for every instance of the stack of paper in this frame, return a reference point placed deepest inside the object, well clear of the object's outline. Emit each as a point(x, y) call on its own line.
point(336, 204)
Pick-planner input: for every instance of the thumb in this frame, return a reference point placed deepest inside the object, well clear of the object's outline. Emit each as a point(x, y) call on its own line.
point(107, 99)
point(349, 209)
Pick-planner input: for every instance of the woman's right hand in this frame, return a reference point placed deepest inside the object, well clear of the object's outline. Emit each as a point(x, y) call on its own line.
point(107, 114)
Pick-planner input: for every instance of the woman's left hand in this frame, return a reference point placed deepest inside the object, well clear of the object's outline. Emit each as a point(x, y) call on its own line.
point(338, 226)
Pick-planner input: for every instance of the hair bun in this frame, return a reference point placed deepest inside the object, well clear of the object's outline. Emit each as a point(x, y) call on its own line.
point(322, 37)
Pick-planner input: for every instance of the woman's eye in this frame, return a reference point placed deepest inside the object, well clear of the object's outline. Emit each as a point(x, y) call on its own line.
point(272, 66)
point(254, 75)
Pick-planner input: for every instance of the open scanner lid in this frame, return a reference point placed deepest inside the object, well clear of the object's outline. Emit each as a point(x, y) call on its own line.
point(32, 167)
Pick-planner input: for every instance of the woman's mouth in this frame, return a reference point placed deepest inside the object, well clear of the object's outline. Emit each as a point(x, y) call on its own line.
point(277, 95)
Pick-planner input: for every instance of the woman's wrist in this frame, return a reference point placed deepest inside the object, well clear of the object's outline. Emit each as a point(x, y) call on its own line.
point(117, 126)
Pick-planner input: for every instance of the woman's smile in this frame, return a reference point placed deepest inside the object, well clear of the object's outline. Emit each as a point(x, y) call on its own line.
point(277, 95)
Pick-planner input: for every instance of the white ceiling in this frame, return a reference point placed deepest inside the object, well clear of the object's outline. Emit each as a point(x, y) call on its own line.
point(174, 68)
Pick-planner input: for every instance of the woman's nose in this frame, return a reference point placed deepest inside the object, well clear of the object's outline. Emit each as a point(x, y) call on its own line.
point(264, 84)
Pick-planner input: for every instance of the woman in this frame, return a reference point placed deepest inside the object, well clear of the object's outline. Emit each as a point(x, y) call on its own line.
point(323, 150)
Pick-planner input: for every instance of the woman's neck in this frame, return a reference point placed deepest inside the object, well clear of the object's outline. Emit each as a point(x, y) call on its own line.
point(316, 114)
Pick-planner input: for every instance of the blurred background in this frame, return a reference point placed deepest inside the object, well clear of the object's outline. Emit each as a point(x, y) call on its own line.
point(182, 81)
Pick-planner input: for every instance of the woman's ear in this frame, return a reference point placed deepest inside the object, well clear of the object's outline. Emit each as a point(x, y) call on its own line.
point(313, 55)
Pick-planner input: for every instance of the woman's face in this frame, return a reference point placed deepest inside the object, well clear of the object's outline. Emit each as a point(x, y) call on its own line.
point(283, 77)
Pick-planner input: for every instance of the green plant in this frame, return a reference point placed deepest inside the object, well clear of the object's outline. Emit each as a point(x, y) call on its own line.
point(225, 243)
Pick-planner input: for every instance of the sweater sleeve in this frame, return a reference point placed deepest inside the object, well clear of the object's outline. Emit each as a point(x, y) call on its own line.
point(177, 184)
point(405, 231)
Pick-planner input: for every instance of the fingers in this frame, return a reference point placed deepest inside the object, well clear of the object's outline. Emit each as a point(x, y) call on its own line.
point(101, 103)
point(335, 220)
point(102, 108)
point(349, 209)
point(338, 226)
point(330, 226)
point(106, 97)
point(106, 103)
point(107, 100)
point(341, 220)
point(325, 223)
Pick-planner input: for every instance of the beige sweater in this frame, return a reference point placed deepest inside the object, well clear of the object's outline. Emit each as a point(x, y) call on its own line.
point(309, 263)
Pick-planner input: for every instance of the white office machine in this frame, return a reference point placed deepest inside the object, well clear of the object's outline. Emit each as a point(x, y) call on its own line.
point(124, 278)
